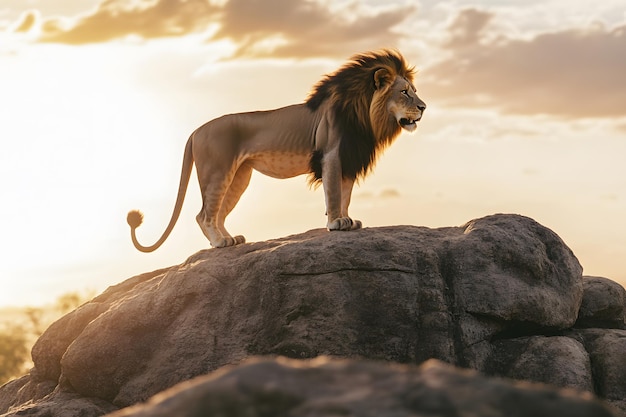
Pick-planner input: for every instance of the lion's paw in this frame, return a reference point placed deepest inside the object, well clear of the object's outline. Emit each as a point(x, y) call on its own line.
point(227, 241)
point(344, 223)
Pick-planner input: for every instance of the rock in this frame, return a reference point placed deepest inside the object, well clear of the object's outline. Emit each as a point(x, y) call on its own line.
point(508, 273)
point(512, 268)
point(403, 294)
point(603, 304)
point(49, 350)
point(63, 404)
point(557, 360)
point(607, 351)
point(331, 387)
point(23, 390)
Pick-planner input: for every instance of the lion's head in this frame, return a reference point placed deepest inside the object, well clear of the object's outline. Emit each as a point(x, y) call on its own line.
point(373, 98)
point(395, 103)
point(396, 96)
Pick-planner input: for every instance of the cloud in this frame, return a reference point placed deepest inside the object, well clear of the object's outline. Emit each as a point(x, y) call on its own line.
point(114, 19)
point(26, 22)
point(386, 193)
point(467, 28)
point(259, 28)
point(569, 73)
point(389, 193)
point(301, 28)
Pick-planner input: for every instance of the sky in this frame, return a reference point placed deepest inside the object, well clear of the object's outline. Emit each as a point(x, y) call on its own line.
point(526, 114)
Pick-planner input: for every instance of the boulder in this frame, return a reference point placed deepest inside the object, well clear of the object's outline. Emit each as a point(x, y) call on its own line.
point(603, 303)
point(473, 296)
point(62, 403)
point(607, 352)
point(331, 387)
point(556, 360)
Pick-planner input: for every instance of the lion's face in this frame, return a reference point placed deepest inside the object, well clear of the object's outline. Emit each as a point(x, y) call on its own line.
point(404, 104)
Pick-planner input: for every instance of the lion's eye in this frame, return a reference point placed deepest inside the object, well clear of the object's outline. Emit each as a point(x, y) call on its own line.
point(405, 92)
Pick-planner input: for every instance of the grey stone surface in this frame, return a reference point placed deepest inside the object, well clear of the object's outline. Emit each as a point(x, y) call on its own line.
point(557, 360)
point(401, 294)
point(330, 387)
point(603, 303)
point(607, 351)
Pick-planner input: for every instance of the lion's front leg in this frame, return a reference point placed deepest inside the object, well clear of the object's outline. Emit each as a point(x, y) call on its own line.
point(337, 191)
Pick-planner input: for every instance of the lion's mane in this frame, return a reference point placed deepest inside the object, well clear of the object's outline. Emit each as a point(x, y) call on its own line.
point(365, 127)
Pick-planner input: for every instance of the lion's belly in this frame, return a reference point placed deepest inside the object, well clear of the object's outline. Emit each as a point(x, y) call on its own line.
point(280, 164)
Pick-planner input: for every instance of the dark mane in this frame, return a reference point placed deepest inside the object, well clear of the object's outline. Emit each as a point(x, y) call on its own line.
point(351, 89)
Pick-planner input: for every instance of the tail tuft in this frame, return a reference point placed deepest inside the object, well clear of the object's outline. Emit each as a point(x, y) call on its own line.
point(134, 219)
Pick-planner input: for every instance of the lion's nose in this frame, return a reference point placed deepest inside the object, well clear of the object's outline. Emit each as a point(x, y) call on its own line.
point(421, 106)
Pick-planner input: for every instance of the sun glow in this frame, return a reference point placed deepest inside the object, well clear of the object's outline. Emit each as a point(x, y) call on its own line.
point(95, 124)
point(67, 130)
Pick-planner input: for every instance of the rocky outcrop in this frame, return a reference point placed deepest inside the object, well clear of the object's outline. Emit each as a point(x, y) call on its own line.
point(501, 295)
point(331, 387)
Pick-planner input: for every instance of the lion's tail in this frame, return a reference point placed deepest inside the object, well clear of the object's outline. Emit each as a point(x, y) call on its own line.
point(135, 217)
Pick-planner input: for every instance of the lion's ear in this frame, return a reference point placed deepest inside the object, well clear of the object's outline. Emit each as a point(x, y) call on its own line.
point(382, 77)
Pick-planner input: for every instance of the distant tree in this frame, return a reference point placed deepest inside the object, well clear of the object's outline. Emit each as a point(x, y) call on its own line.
point(69, 301)
point(35, 316)
point(16, 340)
point(13, 352)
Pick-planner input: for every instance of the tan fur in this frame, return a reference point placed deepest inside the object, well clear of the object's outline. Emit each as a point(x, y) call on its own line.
point(334, 136)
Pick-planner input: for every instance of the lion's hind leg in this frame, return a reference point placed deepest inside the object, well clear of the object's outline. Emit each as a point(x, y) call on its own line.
point(211, 231)
point(220, 194)
point(213, 188)
point(240, 182)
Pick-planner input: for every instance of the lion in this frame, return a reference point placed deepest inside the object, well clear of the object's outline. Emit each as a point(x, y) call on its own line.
point(335, 136)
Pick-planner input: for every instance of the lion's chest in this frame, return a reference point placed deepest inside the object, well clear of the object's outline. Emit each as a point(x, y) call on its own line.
point(280, 164)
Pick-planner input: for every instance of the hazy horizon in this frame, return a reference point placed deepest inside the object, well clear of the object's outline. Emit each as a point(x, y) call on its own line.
point(526, 114)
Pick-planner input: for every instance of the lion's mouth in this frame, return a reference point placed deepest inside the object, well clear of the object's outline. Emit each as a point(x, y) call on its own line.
point(406, 122)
